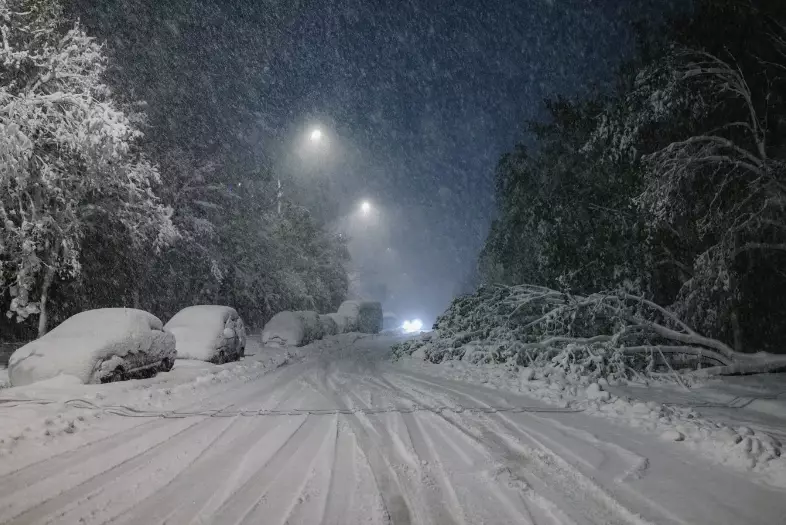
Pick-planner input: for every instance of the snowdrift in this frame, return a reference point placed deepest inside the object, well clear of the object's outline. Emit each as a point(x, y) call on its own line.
point(362, 316)
point(292, 329)
point(208, 333)
point(97, 346)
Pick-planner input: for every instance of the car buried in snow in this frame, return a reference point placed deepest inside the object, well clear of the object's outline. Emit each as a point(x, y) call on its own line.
point(210, 333)
point(97, 346)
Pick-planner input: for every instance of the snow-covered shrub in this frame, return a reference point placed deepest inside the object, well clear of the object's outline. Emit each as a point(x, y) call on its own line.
point(208, 333)
point(97, 346)
point(292, 329)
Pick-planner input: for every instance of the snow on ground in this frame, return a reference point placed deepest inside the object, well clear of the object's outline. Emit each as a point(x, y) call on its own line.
point(719, 435)
point(342, 435)
point(60, 418)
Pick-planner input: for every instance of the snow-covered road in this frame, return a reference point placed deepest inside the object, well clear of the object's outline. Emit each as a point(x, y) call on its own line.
point(345, 436)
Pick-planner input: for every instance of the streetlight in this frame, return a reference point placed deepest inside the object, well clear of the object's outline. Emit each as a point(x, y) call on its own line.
point(315, 136)
point(365, 207)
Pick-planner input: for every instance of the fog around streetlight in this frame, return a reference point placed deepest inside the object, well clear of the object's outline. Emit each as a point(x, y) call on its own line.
point(316, 135)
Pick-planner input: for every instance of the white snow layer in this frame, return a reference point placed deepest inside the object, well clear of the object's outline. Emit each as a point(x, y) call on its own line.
point(91, 345)
point(734, 445)
point(292, 329)
point(362, 316)
point(203, 331)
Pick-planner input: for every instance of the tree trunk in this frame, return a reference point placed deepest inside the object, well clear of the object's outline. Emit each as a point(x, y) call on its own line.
point(43, 317)
point(734, 283)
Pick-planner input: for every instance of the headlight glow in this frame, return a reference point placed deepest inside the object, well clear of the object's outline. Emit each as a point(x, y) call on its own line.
point(410, 327)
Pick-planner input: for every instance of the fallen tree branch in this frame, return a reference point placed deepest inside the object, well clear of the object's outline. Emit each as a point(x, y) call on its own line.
point(609, 335)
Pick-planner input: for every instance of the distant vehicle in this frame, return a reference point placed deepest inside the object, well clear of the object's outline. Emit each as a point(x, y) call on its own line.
point(97, 346)
point(208, 333)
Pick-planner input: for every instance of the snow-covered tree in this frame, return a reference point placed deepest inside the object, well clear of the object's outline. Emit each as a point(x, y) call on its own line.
point(68, 157)
point(726, 182)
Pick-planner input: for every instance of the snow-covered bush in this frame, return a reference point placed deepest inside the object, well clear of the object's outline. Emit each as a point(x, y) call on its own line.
point(208, 333)
point(97, 346)
point(69, 161)
point(292, 329)
point(362, 316)
point(613, 336)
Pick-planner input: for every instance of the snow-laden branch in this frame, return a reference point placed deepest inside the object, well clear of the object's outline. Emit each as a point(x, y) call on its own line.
point(614, 334)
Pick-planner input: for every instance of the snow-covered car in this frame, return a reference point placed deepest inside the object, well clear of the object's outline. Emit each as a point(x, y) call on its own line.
point(208, 333)
point(329, 325)
point(292, 329)
point(97, 346)
point(362, 316)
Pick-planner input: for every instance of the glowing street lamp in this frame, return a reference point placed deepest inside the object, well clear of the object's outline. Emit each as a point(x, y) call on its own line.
point(365, 207)
point(316, 135)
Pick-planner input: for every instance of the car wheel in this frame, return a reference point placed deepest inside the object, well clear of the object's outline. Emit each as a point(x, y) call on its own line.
point(166, 364)
point(222, 357)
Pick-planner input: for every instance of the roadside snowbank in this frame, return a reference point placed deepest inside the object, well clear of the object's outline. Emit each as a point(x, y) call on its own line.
point(738, 447)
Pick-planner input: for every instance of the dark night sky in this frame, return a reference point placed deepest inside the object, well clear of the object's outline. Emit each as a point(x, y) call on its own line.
point(430, 94)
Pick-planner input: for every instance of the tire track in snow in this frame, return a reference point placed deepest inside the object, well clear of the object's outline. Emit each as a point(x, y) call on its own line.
point(101, 475)
point(245, 500)
point(48, 482)
point(385, 475)
point(352, 497)
point(199, 489)
point(266, 384)
point(521, 503)
point(309, 508)
point(86, 501)
point(538, 466)
point(517, 502)
point(52, 465)
point(430, 490)
point(286, 488)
